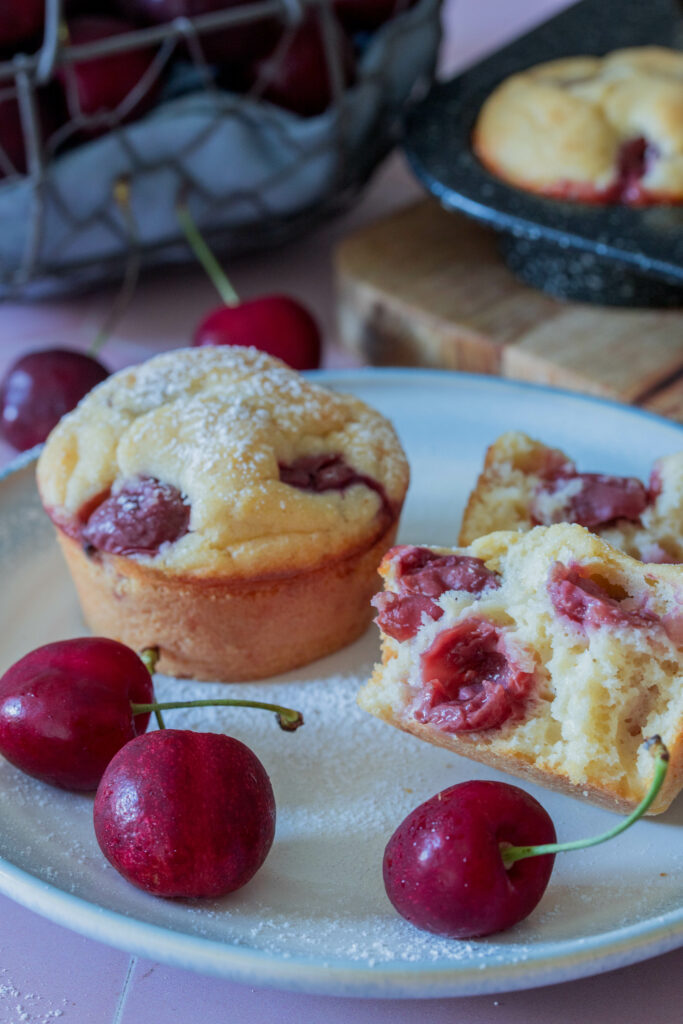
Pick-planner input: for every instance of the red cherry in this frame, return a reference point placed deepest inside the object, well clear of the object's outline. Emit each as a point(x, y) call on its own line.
point(98, 87)
point(443, 869)
point(187, 814)
point(65, 709)
point(367, 15)
point(39, 389)
point(230, 44)
point(137, 519)
point(51, 115)
point(298, 77)
point(275, 324)
point(13, 157)
point(20, 21)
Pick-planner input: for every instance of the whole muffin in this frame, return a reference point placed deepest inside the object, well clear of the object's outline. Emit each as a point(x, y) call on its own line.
point(597, 129)
point(213, 503)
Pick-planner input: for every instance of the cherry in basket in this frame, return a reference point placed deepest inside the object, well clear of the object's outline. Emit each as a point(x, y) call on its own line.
point(276, 324)
point(235, 42)
point(367, 15)
point(105, 91)
point(298, 73)
point(476, 858)
point(20, 20)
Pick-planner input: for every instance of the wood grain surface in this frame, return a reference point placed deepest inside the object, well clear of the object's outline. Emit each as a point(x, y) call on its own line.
point(424, 287)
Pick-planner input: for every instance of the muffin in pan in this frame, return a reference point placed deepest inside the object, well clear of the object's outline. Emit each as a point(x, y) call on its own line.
point(213, 503)
point(595, 129)
point(547, 654)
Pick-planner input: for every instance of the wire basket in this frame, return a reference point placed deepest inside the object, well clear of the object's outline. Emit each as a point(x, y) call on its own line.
point(253, 174)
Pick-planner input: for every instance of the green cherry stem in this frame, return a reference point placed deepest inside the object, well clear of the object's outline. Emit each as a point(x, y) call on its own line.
point(287, 718)
point(131, 273)
point(150, 657)
point(205, 256)
point(510, 854)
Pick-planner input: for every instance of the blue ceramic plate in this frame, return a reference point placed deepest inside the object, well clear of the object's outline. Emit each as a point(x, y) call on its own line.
point(316, 918)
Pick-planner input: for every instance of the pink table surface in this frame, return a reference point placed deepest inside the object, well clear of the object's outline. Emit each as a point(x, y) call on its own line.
point(49, 974)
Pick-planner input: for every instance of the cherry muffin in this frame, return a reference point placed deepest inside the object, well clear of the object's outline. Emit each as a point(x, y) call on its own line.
point(548, 654)
point(524, 483)
point(596, 129)
point(215, 504)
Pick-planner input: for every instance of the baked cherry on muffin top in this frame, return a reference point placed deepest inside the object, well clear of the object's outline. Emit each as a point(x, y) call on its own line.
point(222, 459)
point(594, 129)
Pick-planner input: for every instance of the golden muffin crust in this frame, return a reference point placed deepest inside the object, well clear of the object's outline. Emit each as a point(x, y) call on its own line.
point(561, 127)
point(594, 635)
point(216, 424)
point(518, 467)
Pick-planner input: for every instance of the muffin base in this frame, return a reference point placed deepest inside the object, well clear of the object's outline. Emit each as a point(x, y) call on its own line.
point(220, 630)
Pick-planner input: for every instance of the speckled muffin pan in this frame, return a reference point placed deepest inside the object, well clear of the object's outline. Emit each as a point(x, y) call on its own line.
point(611, 254)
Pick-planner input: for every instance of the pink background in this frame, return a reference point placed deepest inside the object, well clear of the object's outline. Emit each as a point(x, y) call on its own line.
point(48, 974)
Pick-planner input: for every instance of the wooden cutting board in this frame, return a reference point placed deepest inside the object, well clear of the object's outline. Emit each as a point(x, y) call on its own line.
point(424, 287)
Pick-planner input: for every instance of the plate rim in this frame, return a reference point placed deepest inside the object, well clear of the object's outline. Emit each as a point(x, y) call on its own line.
point(552, 962)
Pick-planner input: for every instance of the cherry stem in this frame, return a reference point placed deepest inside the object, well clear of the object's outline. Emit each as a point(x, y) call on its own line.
point(121, 194)
point(150, 657)
point(205, 256)
point(287, 718)
point(510, 854)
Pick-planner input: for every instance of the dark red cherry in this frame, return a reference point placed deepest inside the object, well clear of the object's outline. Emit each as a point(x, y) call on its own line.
point(471, 678)
point(40, 388)
point(235, 43)
point(589, 499)
point(443, 869)
point(367, 15)
point(138, 518)
point(20, 20)
point(298, 76)
point(13, 156)
point(185, 814)
point(65, 709)
point(401, 615)
point(276, 324)
point(102, 88)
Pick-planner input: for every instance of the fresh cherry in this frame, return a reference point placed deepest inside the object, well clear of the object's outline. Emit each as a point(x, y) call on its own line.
point(20, 20)
point(39, 388)
point(276, 324)
point(51, 115)
point(443, 869)
point(68, 707)
point(13, 157)
point(185, 814)
point(476, 858)
point(296, 74)
point(104, 89)
point(367, 15)
point(238, 42)
point(65, 709)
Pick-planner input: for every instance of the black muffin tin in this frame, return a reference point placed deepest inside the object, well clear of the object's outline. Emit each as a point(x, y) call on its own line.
point(611, 254)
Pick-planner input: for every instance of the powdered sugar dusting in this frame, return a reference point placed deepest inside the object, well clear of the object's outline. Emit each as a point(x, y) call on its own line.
point(216, 423)
point(25, 1008)
point(342, 782)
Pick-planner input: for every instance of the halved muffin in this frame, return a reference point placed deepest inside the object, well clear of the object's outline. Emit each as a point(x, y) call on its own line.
point(547, 654)
point(525, 483)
